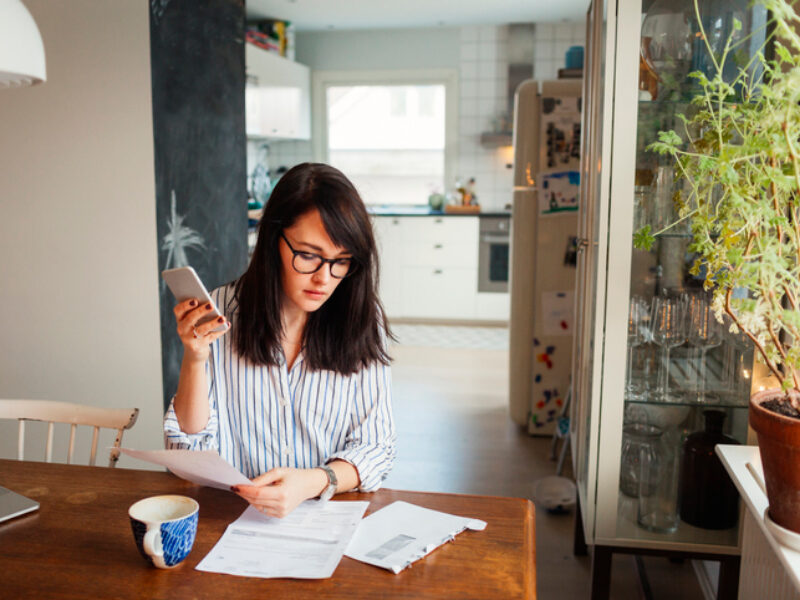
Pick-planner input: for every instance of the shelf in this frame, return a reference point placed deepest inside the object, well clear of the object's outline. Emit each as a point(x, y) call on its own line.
point(570, 73)
point(497, 139)
point(685, 538)
point(675, 236)
point(645, 103)
point(671, 236)
point(717, 403)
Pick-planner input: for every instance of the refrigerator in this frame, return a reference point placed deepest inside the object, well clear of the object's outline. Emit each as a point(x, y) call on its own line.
point(544, 227)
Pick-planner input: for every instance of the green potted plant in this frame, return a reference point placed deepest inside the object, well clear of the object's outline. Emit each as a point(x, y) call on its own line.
point(740, 159)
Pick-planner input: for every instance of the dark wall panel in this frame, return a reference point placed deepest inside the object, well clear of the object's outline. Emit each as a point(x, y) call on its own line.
point(197, 54)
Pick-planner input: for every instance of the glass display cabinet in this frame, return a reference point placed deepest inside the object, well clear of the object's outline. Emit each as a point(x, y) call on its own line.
point(656, 379)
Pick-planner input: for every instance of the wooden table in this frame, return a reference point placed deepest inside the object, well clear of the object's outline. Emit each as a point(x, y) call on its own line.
point(79, 544)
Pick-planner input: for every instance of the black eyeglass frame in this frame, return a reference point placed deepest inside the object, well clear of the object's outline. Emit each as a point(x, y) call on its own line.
point(322, 261)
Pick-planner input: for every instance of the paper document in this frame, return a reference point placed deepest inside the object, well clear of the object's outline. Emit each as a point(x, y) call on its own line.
point(203, 467)
point(397, 535)
point(307, 544)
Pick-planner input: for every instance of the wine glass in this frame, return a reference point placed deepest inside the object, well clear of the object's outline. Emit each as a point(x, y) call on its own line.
point(738, 370)
point(638, 333)
point(669, 331)
point(704, 332)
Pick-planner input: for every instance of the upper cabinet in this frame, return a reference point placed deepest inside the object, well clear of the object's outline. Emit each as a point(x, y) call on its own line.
point(277, 96)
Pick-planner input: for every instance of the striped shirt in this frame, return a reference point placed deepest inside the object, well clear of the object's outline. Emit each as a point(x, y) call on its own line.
point(261, 417)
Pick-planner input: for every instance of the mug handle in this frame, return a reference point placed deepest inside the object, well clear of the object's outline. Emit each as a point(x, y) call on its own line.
point(153, 546)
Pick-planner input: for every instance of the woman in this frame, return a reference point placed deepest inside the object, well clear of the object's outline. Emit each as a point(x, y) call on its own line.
point(295, 391)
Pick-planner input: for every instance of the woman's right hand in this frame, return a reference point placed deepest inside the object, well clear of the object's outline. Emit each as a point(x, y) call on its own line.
point(196, 338)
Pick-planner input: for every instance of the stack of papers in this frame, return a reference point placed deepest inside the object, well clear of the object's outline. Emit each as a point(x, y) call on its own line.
point(306, 544)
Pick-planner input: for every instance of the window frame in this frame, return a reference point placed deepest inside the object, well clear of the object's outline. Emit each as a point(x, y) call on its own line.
point(322, 80)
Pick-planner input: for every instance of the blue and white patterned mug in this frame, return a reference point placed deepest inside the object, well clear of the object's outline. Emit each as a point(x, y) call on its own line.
point(164, 528)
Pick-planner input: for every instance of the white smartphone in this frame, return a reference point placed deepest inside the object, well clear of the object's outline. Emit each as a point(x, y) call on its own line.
point(185, 284)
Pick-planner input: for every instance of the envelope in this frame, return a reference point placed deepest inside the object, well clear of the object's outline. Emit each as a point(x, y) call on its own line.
point(399, 534)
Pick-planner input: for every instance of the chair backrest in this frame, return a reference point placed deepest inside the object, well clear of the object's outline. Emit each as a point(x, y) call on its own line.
point(53, 412)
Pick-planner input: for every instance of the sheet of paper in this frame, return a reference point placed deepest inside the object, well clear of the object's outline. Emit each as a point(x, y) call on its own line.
point(400, 533)
point(559, 192)
point(203, 467)
point(307, 544)
point(558, 311)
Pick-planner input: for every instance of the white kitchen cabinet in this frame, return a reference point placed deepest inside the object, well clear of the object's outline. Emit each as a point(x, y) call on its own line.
point(439, 292)
point(492, 306)
point(444, 229)
point(389, 237)
point(277, 96)
point(429, 266)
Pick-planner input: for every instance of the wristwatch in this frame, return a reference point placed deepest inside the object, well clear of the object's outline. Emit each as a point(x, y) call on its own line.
point(330, 489)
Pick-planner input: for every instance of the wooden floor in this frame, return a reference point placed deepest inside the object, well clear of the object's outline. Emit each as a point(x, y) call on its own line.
point(455, 435)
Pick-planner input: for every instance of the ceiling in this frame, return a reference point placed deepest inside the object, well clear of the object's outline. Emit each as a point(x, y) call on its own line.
point(316, 15)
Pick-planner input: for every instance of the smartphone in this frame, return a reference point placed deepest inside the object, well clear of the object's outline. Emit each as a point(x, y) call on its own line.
point(185, 284)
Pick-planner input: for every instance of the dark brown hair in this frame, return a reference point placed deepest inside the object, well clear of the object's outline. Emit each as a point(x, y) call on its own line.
point(345, 333)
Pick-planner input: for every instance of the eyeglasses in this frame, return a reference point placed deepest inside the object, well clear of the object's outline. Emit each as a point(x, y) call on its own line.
point(308, 262)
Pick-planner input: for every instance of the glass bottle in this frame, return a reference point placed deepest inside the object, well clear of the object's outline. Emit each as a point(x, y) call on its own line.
point(657, 510)
point(639, 452)
point(708, 497)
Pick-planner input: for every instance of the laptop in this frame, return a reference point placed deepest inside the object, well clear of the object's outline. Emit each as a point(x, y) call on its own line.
point(13, 504)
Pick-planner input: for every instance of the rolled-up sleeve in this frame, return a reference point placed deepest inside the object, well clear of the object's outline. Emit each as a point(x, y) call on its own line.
point(206, 439)
point(370, 441)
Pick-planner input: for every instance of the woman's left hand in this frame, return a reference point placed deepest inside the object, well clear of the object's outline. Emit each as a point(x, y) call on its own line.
point(279, 491)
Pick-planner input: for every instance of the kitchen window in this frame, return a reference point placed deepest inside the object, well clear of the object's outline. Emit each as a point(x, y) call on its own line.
point(390, 133)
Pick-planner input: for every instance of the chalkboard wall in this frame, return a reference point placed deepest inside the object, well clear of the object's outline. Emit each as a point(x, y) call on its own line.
point(197, 56)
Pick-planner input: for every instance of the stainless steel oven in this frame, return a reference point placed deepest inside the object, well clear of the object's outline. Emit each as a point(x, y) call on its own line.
point(493, 254)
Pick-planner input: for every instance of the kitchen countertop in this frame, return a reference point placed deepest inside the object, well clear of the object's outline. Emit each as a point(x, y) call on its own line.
point(426, 211)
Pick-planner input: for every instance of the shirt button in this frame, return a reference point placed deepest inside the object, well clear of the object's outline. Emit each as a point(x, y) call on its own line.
point(287, 452)
point(283, 401)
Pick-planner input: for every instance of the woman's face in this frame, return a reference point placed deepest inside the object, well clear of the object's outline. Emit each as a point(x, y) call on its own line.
point(307, 292)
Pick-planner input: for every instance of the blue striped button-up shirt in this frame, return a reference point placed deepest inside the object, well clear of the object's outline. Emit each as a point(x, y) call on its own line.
point(261, 417)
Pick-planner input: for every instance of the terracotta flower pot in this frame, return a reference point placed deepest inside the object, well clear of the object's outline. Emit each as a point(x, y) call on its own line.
point(779, 443)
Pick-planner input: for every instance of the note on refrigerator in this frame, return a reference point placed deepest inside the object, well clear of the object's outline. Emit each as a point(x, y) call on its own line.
point(203, 467)
point(401, 533)
point(306, 544)
point(559, 192)
point(558, 312)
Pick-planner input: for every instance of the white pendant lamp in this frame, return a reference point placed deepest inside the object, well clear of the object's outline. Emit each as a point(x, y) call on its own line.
point(21, 48)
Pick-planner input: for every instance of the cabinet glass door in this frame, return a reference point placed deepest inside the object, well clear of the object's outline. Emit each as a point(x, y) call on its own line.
point(590, 277)
point(687, 377)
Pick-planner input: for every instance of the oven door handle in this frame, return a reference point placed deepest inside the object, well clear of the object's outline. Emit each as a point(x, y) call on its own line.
point(494, 239)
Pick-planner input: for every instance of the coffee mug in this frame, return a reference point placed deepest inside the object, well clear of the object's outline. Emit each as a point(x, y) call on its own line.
point(164, 528)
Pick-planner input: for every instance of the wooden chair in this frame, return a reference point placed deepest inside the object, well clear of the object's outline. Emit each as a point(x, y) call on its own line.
point(73, 414)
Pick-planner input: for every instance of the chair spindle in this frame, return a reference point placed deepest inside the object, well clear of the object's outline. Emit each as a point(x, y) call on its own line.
point(21, 440)
point(48, 452)
point(72, 429)
point(94, 445)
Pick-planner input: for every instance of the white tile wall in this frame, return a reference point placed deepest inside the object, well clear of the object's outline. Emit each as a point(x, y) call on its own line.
point(281, 153)
point(551, 45)
point(483, 81)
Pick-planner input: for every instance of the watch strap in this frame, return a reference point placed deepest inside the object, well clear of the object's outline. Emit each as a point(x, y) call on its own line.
point(330, 489)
